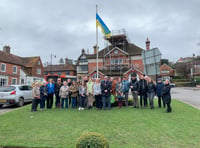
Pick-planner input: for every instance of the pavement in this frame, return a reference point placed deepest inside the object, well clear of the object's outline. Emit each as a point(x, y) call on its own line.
point(188, 95)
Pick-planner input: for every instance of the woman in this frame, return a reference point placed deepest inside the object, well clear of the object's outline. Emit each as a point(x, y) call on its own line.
point(97, 93)
point(167, 95)
point(82, 92)
point(74, 93)
point(90, 93)
point(159, 89)
point(151, 92)
point(43, 95)
point(63, 93)
point(120, 92)
point(36, 97)
point(50, 91)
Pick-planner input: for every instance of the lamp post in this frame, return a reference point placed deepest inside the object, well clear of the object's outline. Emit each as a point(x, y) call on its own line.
point(51, 61)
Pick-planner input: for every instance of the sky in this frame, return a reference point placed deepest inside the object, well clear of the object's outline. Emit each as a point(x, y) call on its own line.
point(64, 27)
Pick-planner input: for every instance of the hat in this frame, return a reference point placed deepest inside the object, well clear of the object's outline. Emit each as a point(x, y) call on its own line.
point(134, 75)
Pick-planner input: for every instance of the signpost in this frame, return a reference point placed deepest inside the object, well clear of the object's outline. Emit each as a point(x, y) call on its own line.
point(151, 60)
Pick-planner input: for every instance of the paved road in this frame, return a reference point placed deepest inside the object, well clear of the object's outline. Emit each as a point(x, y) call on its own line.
point(188, 95)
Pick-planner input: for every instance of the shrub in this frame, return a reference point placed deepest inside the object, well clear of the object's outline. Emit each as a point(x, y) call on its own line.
point(92, 140)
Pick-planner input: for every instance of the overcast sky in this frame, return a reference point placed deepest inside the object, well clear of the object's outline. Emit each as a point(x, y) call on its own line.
point(64, 27)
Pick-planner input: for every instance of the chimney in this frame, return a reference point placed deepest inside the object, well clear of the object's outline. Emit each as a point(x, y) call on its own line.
point(95, 49)
point(83, 51)
point(147, 44)
point(6, 49)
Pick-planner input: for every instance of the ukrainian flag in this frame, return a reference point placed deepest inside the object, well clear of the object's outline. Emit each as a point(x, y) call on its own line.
point(104, 28)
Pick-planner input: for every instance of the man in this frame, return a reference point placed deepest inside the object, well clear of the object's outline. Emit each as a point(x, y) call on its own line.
point(105, 89)
point(134, 85)
point(143, 91)
point(126, 86)
point(159, 89)
point(58, 85)
point(69, 83)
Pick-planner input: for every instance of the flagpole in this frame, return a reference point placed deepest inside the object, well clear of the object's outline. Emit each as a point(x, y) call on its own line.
point(97, 49)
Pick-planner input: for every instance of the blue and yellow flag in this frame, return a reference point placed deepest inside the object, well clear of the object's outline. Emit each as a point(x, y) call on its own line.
point(104, 28)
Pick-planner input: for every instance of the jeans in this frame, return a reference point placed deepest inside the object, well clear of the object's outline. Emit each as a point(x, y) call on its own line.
point(104, 100)
point(50, 100)
point(42, 103)
point(73, 102)
point(135, 99)
point(35, 103)
point(98, 101)
point(57, 100)
point(159, 101)
point(82, 101)
point(66, 102)
point(151, 97)
point(143, 98)
point(126, 98)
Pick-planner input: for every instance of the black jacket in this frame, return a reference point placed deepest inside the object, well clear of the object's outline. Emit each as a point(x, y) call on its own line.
point(135, 84)
point(151, 87)
point(57, 88)
point(143, 86)
point(105, 85)
point(166, 93)
point(43, 91)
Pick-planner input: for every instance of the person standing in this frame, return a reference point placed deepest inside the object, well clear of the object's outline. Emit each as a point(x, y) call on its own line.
point(36, 97)
point(126, 86)
point(51, 89)
point(82, 92)
point(120, 89)
point(69, 83)
point(58, 85)
point(143, 91)
point(74, 93)
point(151, 92)
point(90, 93)
point(167, 95)
point(63, 93)
point(105, 89)
point(159, 89)
point(97, 93)
point(134, 85)
point(113, 89)
point(43, 95)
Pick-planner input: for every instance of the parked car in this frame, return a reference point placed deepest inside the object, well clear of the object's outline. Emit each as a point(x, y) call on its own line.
point(15, 94)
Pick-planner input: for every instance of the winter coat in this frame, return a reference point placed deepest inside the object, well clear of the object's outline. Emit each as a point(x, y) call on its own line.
point(159, 89)
point(166, 93)
point(89, 88)
point(82, 90)
point(57, 88)
point(43, 92)
point(64, 91)
point(126, 85)
point(36, 92)
point(135, 84)
point(74, 90)
point(50, 88)
point(151, 87)
point(143, 86)
point(113, 87)
point(105, 85)
point(97, 88)
point(120, 89)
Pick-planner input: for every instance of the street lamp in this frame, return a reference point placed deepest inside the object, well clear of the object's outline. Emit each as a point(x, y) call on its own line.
point(51, 61)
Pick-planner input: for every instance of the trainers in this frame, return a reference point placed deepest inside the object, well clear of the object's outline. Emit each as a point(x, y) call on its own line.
point(79, 108)
point(82, 108)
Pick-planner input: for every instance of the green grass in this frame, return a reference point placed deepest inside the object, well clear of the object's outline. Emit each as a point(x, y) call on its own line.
point(124, 128)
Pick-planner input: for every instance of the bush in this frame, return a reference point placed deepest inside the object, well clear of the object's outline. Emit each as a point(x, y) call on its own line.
point(92, 140)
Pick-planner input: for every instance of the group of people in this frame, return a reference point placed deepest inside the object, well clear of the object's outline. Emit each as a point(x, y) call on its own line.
point(82, 94)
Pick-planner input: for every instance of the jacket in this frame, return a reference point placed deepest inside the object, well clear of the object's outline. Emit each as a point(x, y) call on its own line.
point(89, 87)
point(126, 85)
point(43, 91)
point(64, 91)
point(50, 88)
point(97, 88)
point(142, 86)
point(120, 89)
point(57, 88)
point(36, 92)
point(105, 85)
point(74, 90)
point(135, 85)
point(82, 90)
point(151, 87)
point(159, 89)
point(166, 93)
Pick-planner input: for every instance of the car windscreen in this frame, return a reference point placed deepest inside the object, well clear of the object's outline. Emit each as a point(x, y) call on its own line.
point(7, 88)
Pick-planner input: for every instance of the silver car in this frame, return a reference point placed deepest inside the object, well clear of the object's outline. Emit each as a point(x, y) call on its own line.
point(15, 94)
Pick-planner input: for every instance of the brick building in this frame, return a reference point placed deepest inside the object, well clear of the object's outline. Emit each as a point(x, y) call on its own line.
point(166, 72)
point(120, 58)
point(19, 70)
point(64, 71)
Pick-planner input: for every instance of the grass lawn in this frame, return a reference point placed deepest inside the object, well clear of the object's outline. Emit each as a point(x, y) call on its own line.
point(124, 128)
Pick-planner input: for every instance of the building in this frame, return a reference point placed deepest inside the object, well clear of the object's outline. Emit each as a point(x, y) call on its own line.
point(120, 58)
point(19, 70)
point(166, 72)
point(64, 71)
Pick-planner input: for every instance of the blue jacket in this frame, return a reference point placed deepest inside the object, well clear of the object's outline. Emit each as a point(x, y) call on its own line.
point(126, 85)
point(51, 88)
point(159, 89)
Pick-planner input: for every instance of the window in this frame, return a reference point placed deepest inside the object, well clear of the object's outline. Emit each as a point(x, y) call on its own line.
point(52, 72)
point(3, 81)
point(38, 62)
point(83, 61)
point(15, 69)
point(94, 76)
point(165, 71)
point(116, 61)
point(83, 68)
point(3, 67)
point(14, 81)
point(67, 72)
point(59, 73)
point(45, 73)
point(22, 81)
point(38, 71)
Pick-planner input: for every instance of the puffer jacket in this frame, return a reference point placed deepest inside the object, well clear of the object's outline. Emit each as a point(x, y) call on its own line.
point(64, 91)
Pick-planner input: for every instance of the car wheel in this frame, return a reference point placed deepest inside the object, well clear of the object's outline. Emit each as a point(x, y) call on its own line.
point(1, 105)
point(21, 102)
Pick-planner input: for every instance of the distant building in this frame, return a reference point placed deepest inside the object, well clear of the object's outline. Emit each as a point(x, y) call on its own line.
point(120, 58)
point(64, 71)
point(166, 72)
point(19, 70)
